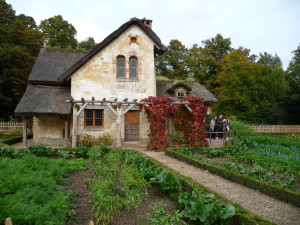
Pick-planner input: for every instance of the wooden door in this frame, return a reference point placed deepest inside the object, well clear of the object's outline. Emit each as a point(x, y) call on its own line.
point(132, 126)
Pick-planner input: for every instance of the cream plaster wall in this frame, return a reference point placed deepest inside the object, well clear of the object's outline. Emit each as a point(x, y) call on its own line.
point(110, 124)
point(97, 78)
point(49, 130)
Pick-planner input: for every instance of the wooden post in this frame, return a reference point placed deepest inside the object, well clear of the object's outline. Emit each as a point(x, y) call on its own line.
point(74, 133)
point(119, 126)
point(24, 132)
point(67, 128)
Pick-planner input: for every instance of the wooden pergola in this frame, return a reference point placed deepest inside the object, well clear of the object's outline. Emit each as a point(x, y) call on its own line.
point(115, 106)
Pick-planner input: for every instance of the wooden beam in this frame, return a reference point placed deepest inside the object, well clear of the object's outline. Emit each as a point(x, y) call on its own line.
point(112, 109)
point(82, 108)
point(75, 119)
point(188, 108)
point(24, 132)
point(130, 107)
point(115, 102)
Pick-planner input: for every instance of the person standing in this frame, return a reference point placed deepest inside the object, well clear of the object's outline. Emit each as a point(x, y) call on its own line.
point(220, 126)
point(213, 127)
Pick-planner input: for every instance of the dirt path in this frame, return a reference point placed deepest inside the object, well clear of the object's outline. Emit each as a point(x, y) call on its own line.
point(270, 208)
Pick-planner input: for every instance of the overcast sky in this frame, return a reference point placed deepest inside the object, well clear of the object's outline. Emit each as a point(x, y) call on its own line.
point(271, 26)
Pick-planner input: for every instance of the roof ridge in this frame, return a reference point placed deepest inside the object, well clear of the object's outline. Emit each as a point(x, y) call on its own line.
point(159, 47)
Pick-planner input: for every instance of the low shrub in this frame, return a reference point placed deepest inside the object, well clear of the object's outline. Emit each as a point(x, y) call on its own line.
point(15, 131)
point(9, 152)
point(81, 152)
point(91, 141)
point(242, 129)
point(39, 150)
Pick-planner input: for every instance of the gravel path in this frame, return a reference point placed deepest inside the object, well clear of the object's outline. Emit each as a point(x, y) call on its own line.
point(270, 208)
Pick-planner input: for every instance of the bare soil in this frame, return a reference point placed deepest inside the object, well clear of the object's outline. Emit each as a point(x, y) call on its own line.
point(83, 208)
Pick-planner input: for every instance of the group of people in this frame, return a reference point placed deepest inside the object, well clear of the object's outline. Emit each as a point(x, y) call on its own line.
point(217, 126)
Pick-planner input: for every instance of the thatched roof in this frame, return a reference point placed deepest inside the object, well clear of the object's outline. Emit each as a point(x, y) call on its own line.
point(44, 100)
point(166, 87)
point(158, 46)
point(50, 64)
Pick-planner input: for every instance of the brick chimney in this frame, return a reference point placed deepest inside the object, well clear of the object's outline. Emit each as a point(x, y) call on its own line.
point(148, 23)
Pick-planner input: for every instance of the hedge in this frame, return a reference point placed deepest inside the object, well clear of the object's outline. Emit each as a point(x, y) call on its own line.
point(15, 140)
point(242, 215)
point(272, 190)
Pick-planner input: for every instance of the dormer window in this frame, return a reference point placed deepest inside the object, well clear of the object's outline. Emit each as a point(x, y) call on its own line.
point(180, 95)
point(121, 67)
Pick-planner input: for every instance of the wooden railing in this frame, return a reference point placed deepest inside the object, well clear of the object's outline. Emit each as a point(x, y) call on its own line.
point(8, 126)
point(276, 128)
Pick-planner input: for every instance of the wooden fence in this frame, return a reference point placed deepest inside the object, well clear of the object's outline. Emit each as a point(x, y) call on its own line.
point(276, 128)
point(8, 126)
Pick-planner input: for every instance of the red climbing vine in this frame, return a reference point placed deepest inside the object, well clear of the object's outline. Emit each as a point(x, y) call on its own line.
point(158, 109)
point(191, 123)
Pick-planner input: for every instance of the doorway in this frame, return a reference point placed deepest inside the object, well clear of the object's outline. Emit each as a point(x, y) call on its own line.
point(132, 126)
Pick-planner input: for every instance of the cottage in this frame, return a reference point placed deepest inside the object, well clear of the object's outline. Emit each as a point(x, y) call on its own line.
point(96, 92)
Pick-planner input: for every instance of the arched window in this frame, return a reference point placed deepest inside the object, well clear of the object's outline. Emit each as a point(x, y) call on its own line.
point(133, 67)
point(120, 67)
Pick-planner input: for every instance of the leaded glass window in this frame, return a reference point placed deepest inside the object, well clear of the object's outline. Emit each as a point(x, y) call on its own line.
point(121, 67)
point(133, 67)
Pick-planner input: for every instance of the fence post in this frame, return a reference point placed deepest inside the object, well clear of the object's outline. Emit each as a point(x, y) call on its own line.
point(8, 221)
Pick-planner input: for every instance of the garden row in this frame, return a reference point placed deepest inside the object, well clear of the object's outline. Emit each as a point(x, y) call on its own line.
point(269, 165)
point(31, 189)
point(120, 173)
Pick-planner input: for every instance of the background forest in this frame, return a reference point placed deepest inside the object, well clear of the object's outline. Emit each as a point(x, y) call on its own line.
point(252, 88)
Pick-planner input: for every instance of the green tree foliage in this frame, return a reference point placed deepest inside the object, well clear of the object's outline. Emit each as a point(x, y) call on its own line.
point(58, 33)
point(293, 77)
point(247, 89)
point(19, 45)
point(213, 51)
point(87, 44)
point(173, 64)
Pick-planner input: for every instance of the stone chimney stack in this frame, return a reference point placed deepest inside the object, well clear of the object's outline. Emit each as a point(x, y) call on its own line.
point(147, 22)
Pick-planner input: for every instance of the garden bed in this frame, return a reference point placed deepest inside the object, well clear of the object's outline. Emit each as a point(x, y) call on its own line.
point(119, 187)
point(266, 165)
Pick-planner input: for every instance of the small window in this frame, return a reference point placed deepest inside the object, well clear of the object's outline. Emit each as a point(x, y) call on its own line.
point(93, 118)
point(121, 67)
point(133, 67)
point(180, 95)
point(133, 40)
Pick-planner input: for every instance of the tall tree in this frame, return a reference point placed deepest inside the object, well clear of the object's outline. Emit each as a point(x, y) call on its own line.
point(244, 88)
point(173, 64)
point(213, 51)
point(293, 101)
point(87, 44)
point(58, 33)
point(19, 45)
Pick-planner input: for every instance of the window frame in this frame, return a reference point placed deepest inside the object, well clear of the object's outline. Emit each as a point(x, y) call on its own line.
point(181, 96)
point(94, 118)
point(136, 68)
point(124, 68)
